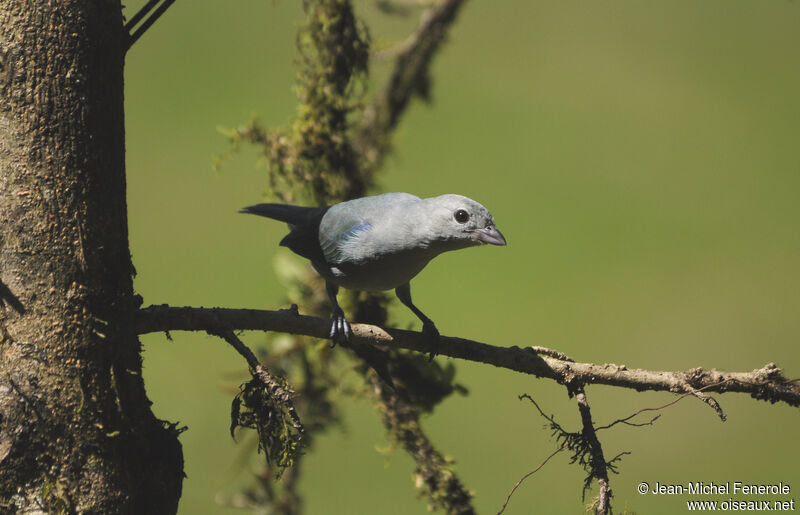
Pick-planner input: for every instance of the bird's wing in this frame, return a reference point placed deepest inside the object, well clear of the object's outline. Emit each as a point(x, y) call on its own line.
point(356, 230)
point(333, 239)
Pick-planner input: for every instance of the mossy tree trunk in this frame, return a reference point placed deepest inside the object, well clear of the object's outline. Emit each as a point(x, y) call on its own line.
point(76, 430)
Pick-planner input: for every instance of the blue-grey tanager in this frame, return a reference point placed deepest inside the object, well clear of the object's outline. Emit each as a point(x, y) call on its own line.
point(381, 242)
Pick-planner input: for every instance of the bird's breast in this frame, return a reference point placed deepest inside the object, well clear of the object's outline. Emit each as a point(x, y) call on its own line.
point(384, 273)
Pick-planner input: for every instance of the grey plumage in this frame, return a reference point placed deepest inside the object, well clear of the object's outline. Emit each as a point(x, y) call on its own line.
point(381, 242)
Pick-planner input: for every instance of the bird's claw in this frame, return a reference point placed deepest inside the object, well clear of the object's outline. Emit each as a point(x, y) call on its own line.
point(431, 333)
point(340, 329)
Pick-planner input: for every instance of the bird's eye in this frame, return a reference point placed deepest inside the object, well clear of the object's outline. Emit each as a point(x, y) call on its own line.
point(461, 216)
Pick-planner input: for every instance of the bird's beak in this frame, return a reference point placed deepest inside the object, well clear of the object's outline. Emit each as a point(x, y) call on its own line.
point(490, 235)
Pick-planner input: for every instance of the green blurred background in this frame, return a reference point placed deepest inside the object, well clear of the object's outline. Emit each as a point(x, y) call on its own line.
point(643, 160)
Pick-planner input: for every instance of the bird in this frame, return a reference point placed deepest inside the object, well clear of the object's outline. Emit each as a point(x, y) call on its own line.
point(380, 242)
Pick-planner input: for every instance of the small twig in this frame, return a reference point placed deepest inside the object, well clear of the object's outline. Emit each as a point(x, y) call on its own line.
point(658, 408)
point(146, 24)
point(229, 336)
point(632, 424)
point(262, 373)
point(711, 401)
point(585, 447)
point(529, 474)
point(555, 425)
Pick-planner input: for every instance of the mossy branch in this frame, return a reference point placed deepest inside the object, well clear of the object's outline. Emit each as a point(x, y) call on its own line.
point(264, 404)
point(434, 475)
point(409, 77)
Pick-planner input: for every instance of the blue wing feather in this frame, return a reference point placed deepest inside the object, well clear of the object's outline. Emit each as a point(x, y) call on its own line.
point(350, 223)
point(332, 244)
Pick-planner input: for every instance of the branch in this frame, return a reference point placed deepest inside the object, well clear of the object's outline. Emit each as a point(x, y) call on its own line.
point(585, 448)
point(434, 475)
point(135, 35)
point(264, 404)
point(408, 77)
point(696, 393)
point(598, 466)
point(282, 394)
point(766, 383)
point(586, 444)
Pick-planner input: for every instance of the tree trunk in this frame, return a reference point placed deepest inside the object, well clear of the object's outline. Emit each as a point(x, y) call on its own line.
point(76, 431)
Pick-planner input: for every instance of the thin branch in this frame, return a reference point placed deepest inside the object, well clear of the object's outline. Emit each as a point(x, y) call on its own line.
point(659, 408)
point(635, 424)
point(555, 426)
point(146, 24)
point(275, 389)
point(585, 448)
point(409, 77)
point(529, 474)
point(229, 336)
point(711, 401)
point(766, 383)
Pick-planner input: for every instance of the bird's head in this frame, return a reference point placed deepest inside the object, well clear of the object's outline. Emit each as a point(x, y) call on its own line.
point(462, 222)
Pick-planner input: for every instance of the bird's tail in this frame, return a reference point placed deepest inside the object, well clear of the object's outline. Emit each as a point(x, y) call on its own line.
point(294, 215)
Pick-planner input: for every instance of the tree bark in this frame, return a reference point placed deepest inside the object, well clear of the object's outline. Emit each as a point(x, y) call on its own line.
point(76, 431)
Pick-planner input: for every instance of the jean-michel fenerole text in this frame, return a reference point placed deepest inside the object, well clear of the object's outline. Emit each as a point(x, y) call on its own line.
point(726, 488)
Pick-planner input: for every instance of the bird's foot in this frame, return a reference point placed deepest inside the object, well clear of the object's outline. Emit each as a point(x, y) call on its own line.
point(340, 329)
point(432, 334)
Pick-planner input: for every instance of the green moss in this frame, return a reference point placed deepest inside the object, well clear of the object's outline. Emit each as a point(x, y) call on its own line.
point(313, 160)
point(256, 408)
